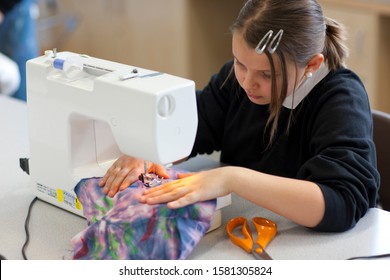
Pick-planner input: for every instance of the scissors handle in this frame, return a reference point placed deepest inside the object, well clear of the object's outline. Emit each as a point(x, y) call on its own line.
point(245, 243)
point(266, 230)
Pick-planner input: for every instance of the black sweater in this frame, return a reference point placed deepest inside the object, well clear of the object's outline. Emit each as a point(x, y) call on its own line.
point(329, 142)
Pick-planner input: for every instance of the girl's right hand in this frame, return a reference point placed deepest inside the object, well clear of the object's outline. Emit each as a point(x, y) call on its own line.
point(125, 171)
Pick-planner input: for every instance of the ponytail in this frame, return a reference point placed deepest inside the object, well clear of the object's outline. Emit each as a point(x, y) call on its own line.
point(335, 50)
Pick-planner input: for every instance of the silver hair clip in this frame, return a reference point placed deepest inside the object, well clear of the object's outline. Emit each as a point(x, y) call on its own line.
point(263, 42)
point(262, 45)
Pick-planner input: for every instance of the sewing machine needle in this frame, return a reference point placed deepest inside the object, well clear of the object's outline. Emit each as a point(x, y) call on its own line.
point(145, 167)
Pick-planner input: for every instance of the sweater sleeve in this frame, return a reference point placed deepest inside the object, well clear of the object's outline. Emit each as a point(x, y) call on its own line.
point(213, 103)
point(344, 159)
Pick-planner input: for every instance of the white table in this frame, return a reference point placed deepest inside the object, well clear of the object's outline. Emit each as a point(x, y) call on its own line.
point(52, 228)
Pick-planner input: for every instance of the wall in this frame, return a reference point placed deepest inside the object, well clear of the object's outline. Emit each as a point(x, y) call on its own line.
point(180, 37)
point(368, 25)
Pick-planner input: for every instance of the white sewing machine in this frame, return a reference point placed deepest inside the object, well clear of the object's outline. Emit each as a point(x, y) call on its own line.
point(85, 112)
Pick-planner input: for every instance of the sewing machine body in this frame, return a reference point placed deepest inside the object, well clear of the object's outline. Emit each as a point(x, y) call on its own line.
point(79, 124)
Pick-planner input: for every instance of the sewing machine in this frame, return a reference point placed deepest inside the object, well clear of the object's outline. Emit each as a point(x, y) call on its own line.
point(85, 112)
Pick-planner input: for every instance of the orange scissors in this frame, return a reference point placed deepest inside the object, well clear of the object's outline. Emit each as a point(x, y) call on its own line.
point(266, 231)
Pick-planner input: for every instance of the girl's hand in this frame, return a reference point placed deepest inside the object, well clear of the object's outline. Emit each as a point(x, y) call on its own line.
point(189, 188)
point(126, 171)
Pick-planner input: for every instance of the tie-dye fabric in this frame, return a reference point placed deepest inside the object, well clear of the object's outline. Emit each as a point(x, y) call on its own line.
point(123, 228)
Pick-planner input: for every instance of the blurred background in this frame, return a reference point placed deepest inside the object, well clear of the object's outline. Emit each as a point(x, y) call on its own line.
point(190, 38)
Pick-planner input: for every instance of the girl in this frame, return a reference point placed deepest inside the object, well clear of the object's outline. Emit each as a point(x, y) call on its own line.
point(291, 121)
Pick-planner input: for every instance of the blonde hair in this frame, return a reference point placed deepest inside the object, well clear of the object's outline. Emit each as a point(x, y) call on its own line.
point(306, 32)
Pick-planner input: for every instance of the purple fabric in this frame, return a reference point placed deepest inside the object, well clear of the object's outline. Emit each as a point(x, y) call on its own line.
point(123, 228)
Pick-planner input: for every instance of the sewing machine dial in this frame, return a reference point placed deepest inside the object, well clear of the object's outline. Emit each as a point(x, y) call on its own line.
point(166, 106)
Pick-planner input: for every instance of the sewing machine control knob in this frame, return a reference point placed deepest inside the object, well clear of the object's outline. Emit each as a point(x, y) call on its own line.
point(166, 106)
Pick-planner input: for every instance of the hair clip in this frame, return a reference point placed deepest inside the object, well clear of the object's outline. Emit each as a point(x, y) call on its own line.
point(262, 45)
point(263, 42)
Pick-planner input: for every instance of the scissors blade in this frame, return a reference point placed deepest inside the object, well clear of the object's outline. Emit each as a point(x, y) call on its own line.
point(261, 256)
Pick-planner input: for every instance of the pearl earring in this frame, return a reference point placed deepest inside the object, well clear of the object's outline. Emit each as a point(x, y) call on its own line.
point(308, 75)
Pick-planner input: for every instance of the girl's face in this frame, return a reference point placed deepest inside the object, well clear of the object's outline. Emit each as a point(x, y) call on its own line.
point(253, 72)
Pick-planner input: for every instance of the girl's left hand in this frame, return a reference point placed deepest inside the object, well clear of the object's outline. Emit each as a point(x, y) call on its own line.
point(189, 188)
